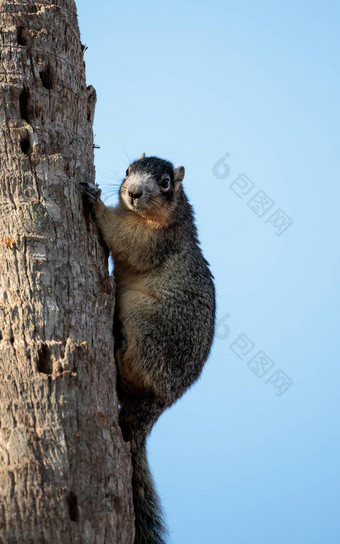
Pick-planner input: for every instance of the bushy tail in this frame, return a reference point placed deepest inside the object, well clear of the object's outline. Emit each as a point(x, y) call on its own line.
point(136, 423)
point(149, 526)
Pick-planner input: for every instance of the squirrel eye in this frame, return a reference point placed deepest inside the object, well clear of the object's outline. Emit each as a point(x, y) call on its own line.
point(127, 172)
point(165, 183)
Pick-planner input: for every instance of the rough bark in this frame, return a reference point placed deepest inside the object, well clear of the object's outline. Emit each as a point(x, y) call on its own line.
point(64, 469)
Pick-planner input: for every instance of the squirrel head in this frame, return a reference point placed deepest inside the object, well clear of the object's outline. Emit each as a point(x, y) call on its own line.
point(151, 188)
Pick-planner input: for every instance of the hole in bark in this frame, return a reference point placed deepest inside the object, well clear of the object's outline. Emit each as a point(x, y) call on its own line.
point(24, 101)
point(21, 36)
point(25, 145)
point(46, 77)
point(44, 360)
point(0, 336)
point(73, 507)
point(11, 338)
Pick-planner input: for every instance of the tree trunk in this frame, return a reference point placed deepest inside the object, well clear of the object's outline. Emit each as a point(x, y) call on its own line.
point(65, 470)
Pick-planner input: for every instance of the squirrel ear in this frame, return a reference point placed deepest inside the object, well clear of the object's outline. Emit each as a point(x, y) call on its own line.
point(178, 176)
point(142, 156)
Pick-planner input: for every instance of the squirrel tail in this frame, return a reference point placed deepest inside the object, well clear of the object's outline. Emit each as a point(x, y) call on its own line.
point(149, 525)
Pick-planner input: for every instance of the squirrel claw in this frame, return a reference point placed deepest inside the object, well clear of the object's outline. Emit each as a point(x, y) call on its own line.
point(90, 190)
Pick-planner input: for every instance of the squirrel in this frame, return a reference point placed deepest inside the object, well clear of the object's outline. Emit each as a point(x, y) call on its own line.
point(164, 315)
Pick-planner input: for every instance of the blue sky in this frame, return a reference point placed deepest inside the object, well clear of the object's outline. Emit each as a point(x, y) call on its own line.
point(249, 455)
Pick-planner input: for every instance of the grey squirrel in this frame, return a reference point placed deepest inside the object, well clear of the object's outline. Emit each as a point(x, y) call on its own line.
point(164, 315)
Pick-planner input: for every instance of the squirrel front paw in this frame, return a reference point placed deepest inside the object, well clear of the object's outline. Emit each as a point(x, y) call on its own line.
point(90, 190)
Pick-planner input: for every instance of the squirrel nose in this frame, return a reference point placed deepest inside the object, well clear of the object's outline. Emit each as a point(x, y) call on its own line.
point(135, 193)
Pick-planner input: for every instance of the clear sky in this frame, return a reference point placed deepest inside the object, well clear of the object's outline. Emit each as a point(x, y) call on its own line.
point(246, 96)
